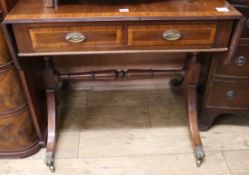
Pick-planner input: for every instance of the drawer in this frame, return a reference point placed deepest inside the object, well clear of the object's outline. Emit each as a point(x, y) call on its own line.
point(67, 38)
point(176, 35)
point(229, 94)
point(238, 67)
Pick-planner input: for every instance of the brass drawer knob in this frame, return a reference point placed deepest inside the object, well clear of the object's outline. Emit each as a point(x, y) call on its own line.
point(230, 95)
point(75, 37)
point(240, 61)
point(172, 35)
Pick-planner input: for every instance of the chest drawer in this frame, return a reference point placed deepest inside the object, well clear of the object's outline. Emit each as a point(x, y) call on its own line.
point(229, 94)
point(177, 35)
point(239, 65)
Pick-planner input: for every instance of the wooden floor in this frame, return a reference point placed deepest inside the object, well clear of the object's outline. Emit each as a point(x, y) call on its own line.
point(139, 132)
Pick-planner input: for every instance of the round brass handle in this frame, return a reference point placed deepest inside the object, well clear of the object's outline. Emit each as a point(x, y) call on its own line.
point(240, 61)
point(75, 37)
point(172, 35)
point(230, 95)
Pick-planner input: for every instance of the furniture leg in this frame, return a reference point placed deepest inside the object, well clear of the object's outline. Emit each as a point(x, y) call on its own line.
point(190, 86)
point(51, 137)
point(50, 85)
point(191, 102)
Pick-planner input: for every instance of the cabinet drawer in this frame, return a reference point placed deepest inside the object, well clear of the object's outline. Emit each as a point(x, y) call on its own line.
point(238, 67)
point(229, 94)
point(68, 38)
point(178, 35)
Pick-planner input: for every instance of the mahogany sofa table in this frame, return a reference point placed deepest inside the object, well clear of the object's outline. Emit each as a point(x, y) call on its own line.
point(97, 27)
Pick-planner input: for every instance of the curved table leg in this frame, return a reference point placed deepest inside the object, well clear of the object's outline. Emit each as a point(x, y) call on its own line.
point(191, 102)
point(190, 91)
point(49, 78)
point(51, 136)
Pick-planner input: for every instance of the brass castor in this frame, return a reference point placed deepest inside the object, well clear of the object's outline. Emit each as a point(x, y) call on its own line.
point(199, 155)
point(49, 161)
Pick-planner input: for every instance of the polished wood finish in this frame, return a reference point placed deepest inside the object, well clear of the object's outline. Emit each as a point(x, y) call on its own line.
point(7, 5)
point(237, 67)
point(11, 92)
point(50, 38)
point(17, 132)
point(219, 94)
point(227, 86)
point(53, 38)
point(193, 34)
point(90, 10)
point(189, 87)
point(149, 27)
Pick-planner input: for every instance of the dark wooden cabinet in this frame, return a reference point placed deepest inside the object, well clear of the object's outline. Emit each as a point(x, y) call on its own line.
point(227, 88)
point(18, 136)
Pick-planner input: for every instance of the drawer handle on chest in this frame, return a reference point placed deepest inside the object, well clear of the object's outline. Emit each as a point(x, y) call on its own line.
point(230, 95)
point(75, 37)
point(172, 35)
point(240, 61)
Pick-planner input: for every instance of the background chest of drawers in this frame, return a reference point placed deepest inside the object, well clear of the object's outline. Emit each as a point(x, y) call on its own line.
point(227, 88)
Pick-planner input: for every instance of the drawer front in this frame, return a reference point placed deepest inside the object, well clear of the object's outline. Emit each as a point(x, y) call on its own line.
point(178, 35)
point(60, 38)
point(238, 67)
point(74, 38)
point(229, 94)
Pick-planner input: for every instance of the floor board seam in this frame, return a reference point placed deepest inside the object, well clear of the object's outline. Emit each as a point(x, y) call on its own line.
point(224, 157)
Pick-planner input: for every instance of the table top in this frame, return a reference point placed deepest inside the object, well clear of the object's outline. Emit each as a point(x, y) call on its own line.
point(96, 10)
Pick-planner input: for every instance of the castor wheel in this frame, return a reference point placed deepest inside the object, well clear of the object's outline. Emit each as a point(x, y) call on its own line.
point(199, 155)
point(49, 161)
point(176, 86)
point(52, 168)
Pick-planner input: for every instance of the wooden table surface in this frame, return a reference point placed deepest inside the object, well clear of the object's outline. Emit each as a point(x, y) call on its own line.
point(138, 10)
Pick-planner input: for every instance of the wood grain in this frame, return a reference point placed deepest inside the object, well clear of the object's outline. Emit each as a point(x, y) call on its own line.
point(91, 10)
point(53, 38)
point(193, 34)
